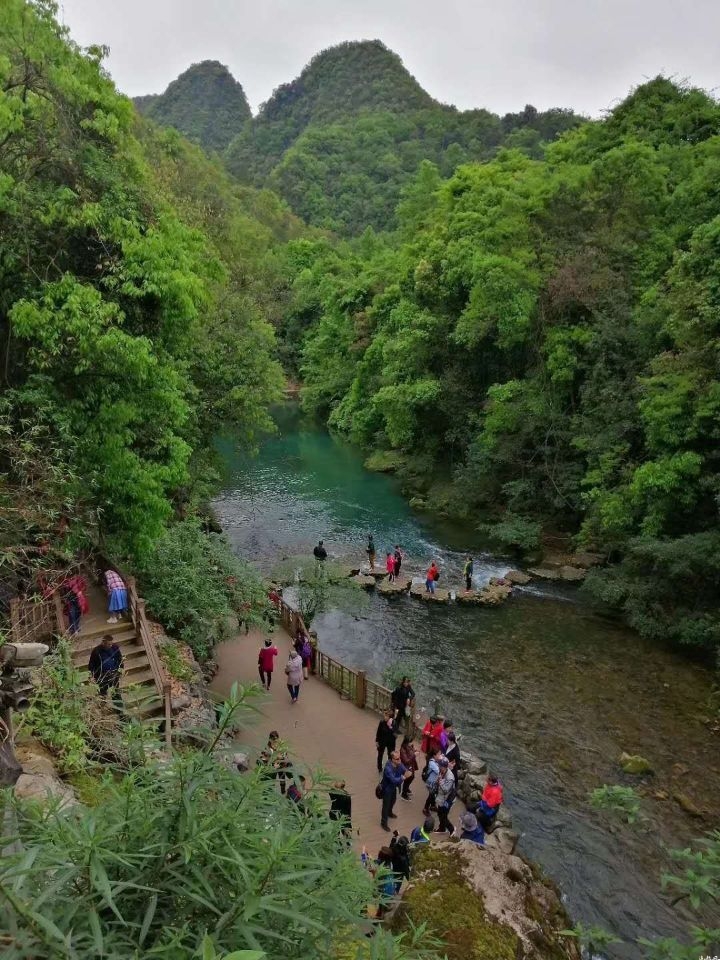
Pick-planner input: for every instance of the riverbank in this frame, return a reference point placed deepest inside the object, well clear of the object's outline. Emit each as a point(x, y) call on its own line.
point(514, 909)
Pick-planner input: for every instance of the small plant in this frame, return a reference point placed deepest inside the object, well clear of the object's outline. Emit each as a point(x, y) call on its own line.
point(621, 800)
point(590, 938)
point(176, 664)
point(59, 710)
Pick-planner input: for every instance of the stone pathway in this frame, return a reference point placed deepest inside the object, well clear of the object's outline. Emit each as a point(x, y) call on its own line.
point(323, 731)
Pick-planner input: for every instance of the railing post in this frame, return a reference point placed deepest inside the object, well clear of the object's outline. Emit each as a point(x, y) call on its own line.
point(361, 689)
point(59, 615)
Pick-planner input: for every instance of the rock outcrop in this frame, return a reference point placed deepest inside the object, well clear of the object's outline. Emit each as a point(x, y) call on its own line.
point(388, 589)
point(40, 780)
point(518, 577)
point(484, 903)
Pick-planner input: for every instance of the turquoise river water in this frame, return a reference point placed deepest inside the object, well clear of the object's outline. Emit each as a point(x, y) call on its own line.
point(548, 692)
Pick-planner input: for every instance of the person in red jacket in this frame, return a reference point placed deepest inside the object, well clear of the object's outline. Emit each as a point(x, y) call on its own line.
point(431, 735)
point(492, 798)
point(266, 662)
point(431, 576)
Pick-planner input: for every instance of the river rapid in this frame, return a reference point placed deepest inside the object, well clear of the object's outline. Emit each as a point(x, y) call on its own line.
point(548, 692)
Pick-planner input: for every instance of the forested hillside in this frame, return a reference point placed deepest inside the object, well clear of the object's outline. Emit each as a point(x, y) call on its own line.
point(137, 281)
point(538, 342)
point(205, 103)
point(341, 140)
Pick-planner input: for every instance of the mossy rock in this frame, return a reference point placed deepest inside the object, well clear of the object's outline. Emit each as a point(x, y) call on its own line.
point(384, 461)
point(442, 898)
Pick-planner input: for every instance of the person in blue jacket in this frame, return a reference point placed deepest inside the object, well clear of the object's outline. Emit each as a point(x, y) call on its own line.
point(421, 834)
point(392, 778)
point(471, 829)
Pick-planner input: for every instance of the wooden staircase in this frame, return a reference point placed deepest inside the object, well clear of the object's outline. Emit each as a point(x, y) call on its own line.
point(137, 684)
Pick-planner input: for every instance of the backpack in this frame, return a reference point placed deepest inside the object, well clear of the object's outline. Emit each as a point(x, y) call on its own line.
point(436, 575)
point(425, 772)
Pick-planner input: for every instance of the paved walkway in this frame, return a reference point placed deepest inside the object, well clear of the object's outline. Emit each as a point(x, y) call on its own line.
point(323, 731)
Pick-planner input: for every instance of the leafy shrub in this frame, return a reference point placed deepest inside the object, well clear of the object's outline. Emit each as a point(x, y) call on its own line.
point(181, 859)
point(173, 659)
point(514, 531)
point(59, 710)
point(198, 589)
point(622, 800)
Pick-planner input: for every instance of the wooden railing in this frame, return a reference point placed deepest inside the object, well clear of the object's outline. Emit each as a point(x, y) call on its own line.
point(33, 620)
point(142, 630)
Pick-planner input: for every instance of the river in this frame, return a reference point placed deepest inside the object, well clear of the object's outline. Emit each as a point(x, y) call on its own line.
point(548, 692)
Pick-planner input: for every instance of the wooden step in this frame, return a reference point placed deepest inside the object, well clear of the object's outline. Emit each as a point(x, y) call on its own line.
point(86, 644)
point(95, 630)
point(131, 654)
point(143, 675)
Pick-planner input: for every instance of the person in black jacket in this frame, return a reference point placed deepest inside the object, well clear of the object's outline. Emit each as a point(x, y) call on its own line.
point(385, 738)
point(341, 806)
point(105, 666)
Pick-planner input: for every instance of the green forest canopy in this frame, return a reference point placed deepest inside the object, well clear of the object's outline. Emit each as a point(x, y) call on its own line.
point(137, 284)
point(549, 326)
point(340, 141)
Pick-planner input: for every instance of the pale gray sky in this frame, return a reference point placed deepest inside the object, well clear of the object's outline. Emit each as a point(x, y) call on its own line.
point(584, 54)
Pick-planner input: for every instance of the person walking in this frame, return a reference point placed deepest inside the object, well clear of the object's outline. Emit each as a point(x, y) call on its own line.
point(385, 738)
point(403, 700)
point(117, 595)
point(105, 666)
point(294, 672)
point(408, 760)
point(431, 775)
point(371, 552)
point(390, 567)
point(445, 797)
point(432, 575)
point(266, 662)
point(393, 775)
point(468, 574)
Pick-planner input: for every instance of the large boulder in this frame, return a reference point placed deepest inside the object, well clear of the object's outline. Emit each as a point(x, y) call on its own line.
point(365, 582)
point(40, 781)
point(484, 904)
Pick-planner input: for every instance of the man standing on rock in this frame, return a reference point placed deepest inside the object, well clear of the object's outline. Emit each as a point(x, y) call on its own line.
point(468, 574)
point(320, 553)
point(371, 552)
point(393, 776)
point(397, 561)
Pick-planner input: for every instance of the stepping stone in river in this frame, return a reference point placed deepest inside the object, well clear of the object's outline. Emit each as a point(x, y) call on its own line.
point(440, 596)
point(367, 583)
point(518, 577)
point(395, 588)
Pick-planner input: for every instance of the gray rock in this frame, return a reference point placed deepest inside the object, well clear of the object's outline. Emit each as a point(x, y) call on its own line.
point(503, 839)
point(518, 577)
point(180, 703)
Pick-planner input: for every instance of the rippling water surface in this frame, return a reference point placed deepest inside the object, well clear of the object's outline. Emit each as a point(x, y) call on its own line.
point(546, 691)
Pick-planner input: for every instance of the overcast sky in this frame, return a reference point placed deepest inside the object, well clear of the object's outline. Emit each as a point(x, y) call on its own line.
point(499, 54)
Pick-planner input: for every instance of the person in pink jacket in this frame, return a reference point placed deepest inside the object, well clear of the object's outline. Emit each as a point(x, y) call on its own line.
point(294, 672)
point(266, 662)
